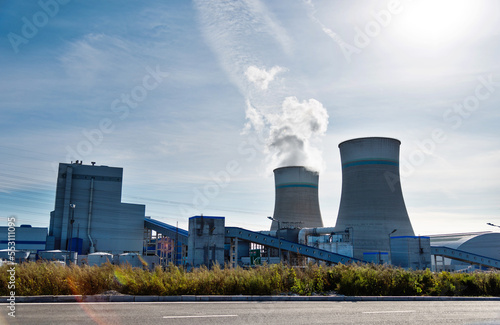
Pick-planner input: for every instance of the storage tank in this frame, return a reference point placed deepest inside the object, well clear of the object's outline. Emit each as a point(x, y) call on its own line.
point(372, 204)
point(134, 259)
point(55, 254)
point(18, 256)
point(296, 201)
point(99, 258)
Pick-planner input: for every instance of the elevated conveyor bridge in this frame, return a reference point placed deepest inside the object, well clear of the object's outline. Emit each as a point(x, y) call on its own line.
point(167, 230)
point(255, 237)
point(464, 256)
point(169, 243)
point(284, 245)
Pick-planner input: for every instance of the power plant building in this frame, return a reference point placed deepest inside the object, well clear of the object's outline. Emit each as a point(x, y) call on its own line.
point(26, 238)
point(89, 216)
point(90, 224)
point(372, 208)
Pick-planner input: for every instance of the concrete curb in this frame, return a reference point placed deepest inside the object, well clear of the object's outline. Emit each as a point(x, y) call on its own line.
point(189, 298)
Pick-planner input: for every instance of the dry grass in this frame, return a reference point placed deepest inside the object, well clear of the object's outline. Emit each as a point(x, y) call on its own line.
point(42, 278)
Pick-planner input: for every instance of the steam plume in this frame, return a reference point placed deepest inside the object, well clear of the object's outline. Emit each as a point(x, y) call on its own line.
point(243, 34)
point(291, 132)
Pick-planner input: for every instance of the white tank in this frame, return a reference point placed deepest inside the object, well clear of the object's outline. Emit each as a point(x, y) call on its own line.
point(134, 259)
point(99, 258)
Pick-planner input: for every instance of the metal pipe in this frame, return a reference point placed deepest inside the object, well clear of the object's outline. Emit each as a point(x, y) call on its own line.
point(304, 232)
point(92, 249)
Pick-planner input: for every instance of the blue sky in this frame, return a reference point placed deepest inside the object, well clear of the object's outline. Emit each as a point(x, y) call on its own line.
point(198, 101)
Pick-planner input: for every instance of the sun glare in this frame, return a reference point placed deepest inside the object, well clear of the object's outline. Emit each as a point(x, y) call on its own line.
point(437, 22)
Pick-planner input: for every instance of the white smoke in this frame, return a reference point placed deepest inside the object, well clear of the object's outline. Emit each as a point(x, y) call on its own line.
point(291, 132)
point(243, 34)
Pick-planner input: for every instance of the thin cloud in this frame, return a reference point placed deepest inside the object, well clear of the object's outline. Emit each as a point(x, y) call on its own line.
point(288, 126)
point(260, 77)
point(238, 32)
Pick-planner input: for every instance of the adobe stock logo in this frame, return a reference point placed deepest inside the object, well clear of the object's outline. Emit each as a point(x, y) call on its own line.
point(372, 29)
point(30, 28)
point(123, 105)
point(203, 195)
point(454, 118)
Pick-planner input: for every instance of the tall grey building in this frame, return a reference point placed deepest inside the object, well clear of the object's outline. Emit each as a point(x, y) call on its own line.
point(89, 215)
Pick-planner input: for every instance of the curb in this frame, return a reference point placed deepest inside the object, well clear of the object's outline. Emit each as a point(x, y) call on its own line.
point(189, 298)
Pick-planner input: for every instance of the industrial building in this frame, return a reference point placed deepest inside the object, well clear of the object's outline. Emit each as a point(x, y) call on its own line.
point(89, 216)
point(27, 238)
point(372, 224)
point(28, 242)
point(91, 225)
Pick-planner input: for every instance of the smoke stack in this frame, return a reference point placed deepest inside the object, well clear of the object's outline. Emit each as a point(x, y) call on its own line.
point(296, 204)
point(372, 203)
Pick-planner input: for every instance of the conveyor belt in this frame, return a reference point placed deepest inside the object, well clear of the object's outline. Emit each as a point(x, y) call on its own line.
point(304, 250)
point(464, 256)
point(167, 230)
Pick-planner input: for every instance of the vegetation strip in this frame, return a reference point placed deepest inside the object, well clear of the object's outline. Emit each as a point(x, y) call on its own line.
point(45, 278)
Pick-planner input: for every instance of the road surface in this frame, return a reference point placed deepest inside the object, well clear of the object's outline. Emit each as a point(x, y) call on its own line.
point(306, 312)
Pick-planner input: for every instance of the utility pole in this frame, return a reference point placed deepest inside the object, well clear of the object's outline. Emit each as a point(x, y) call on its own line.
point(176, 245)
point(390, 250)
point(72, 221)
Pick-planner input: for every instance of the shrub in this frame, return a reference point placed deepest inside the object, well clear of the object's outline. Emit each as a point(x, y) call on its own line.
point(45, 278)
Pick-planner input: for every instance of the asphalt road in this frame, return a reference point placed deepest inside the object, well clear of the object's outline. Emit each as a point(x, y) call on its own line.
point(307, 312)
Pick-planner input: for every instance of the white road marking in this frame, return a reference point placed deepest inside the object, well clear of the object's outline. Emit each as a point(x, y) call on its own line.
point(199, 316)
point(389, 312)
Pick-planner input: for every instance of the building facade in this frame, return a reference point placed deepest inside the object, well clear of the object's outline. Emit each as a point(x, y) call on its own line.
point(26, 238)
point(88, 212)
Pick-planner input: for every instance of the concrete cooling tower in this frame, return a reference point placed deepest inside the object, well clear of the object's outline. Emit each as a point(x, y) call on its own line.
point(372, 203)
point(296, 204)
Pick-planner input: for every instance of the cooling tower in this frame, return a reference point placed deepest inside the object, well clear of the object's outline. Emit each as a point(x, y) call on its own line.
point(296, 204)
point(372, 203)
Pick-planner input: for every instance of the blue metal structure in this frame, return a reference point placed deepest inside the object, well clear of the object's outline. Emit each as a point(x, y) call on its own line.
point(284, 245)
point(167, 230)
point(177, 238)
point(464, 256)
